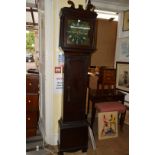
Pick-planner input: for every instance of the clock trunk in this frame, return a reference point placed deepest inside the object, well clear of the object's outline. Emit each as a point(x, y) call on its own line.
point(75, 86)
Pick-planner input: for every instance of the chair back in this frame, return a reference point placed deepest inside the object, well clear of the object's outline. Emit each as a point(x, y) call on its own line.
point(107, 79)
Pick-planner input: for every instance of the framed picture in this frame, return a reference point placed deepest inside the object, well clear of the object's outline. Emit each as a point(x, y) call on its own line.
point(123, 49)
point(125, 21)
point(122, 76)
point(107, 125)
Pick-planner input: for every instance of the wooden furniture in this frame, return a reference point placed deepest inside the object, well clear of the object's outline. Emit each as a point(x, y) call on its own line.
point(32, 107)
point(107, 79)
point(77, 39)
point(106, 93)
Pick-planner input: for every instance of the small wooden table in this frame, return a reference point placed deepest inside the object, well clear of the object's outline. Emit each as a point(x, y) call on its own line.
point(97, 96)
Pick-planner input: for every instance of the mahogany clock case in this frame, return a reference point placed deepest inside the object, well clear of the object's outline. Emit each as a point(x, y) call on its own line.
point(77, 40)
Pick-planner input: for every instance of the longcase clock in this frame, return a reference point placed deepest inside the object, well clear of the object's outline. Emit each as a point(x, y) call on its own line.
point(77, 39)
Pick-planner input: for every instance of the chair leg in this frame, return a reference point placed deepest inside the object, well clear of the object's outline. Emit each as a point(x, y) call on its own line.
point(88, 103)
point(122, 120)
point(93, 115)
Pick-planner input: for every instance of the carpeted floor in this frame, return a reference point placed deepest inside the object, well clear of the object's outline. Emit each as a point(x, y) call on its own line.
point(113, 146)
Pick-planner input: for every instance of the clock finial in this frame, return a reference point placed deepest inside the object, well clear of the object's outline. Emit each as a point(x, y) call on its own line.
point(71, 3)
point(89, 6)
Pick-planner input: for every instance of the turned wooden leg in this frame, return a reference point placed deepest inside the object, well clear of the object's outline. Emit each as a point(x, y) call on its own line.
point(60, 153)
point(84, 149)
point(122, 120)
point(93, 114)
point(88, 103)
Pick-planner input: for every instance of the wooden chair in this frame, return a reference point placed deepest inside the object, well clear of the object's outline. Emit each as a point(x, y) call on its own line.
point(106, 98)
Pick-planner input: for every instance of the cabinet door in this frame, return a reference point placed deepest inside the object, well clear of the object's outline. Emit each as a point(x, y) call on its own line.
point(75, 85)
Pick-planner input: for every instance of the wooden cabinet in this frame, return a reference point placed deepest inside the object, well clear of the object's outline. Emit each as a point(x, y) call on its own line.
point(32, 104)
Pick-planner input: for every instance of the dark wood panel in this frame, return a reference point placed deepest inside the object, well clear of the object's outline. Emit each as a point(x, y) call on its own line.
point(75, 85)
point(31, 132)
point(32, 83)
point(31, 120)
point(73, 136)
point(32, 102)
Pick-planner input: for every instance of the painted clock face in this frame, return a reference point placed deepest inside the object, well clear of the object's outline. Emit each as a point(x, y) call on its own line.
point(78, 32)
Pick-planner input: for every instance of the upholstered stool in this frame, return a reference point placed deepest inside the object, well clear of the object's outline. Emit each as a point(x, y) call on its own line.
point(112, 106)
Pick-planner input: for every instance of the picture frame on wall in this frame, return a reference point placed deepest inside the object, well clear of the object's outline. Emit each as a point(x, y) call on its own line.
point(107, 125)
point(125, 21)
point(123, 49)
point(122, 76)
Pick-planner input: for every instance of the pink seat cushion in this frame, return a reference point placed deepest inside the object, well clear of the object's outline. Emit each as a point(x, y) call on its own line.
point(110, 106)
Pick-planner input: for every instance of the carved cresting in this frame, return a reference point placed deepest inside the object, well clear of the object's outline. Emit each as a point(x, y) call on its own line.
point(71, 3)
point(89, 6)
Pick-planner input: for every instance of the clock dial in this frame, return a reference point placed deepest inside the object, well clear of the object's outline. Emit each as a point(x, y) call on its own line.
point(78, 32)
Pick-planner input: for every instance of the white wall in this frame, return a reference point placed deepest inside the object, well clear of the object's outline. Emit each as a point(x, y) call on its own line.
point(45, 65)
point(41, 22)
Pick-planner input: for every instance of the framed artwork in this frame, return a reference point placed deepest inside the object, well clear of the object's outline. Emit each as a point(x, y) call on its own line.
point(123, 49)
point(107, 125)
point(122, 76)
point(125, 21)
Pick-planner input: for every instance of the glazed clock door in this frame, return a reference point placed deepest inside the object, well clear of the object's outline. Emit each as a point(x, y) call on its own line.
point(75, 85)
point(78, 32)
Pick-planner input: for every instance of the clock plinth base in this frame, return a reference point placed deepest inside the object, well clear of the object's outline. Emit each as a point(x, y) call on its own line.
point(73, 136)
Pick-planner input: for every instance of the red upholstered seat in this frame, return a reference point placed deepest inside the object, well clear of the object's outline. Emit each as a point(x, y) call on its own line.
point(110, 106)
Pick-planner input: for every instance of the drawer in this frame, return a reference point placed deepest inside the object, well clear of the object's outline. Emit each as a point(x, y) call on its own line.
point(32, 83)
point(31, 132)
point(31, 120)
point(32, 102)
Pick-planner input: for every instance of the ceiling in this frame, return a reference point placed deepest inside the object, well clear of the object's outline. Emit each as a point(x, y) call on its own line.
point(111, 5)
point(32, 9)
point(117, 2)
